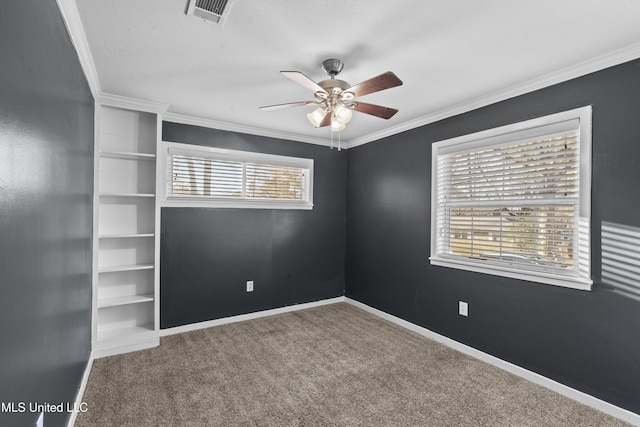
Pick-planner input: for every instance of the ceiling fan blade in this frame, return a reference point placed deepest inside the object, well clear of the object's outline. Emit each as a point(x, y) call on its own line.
point(303, 80)
point(375, 110)
point(376, 84)
point(326, 121)
point(288, 105)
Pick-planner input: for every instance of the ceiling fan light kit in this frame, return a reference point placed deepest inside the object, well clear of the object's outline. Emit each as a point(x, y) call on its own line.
point(337, 98)
point(316, 116)
point(342, 114)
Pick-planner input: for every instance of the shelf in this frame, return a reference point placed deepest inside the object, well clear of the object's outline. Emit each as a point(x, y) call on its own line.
point(126, 236)
point(126, 215)
point(126, 226)
point(132, 299)
point(124, 333)
point(143, 195)
point(117, 268)
point(127, 155)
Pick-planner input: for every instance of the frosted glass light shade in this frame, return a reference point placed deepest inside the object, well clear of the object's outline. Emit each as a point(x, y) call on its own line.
point(316, 116)
point(342, 114)
point(336, 126)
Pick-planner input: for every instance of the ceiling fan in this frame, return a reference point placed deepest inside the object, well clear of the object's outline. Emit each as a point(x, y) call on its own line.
point(337, 98)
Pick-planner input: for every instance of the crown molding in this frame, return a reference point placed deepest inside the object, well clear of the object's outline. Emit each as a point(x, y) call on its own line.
point(71, 19)
point(611, 59)
point(131, 103)
point(234, 127)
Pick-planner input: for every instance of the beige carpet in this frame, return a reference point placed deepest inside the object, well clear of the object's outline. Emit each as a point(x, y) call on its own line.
point(334, 365)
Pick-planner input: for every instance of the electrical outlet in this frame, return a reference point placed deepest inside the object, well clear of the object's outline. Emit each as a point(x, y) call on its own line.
point(249, 285)
point(463, 308)
point(40, 420)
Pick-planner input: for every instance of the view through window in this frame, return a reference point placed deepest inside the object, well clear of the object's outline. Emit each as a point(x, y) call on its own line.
point(514, 201)
point(217, 176)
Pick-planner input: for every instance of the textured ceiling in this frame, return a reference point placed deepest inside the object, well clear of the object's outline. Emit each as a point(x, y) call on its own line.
point(449, 54)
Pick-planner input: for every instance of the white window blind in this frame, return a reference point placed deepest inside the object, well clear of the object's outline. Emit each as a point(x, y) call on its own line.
point(512, 202)
point(197, 176)
point(230, 178)
point(274, 182)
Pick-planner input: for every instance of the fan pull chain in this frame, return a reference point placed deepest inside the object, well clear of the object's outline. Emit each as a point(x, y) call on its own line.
point(339, 142)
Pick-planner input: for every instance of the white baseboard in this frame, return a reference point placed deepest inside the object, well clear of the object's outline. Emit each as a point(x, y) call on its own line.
point(80, 394)
point(571, 393)
point(249, 316)
point(579, 396)
point(125, 346)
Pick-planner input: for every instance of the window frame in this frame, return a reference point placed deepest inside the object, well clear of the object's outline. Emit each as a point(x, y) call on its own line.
point(580, 279)
point(168, 148)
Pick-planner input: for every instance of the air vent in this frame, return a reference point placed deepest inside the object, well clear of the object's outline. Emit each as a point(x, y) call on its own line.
point(210, 10)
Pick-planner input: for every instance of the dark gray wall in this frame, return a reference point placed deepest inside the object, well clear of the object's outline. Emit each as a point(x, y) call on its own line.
point(587, 340)
point(46, 184)
point(294, 256)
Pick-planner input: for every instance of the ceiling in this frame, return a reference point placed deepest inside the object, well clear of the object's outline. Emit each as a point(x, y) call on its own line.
point(451, 55)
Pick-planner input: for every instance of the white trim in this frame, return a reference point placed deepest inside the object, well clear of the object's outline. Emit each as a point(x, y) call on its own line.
point(548, 383)
point(96, 218)
point(232, 204)
point(131, 103)
point(126, 348)
point(81, 389)
point(515, 273)
point(577, 278)
point(248, 316)
point(235, 155)
point(157, 230)
point(610, 59)
point(562, 389)
point(71, 18)
point(168, 148)
point(234, 127)
point(538, 126)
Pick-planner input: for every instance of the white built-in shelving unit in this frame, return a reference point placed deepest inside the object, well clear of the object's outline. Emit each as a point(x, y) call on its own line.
point(126, 228)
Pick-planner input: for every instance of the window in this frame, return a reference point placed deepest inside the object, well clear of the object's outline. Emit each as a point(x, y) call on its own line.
point(205, 176)
point(515, 201)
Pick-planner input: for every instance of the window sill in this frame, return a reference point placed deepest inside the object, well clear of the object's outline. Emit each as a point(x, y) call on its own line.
point(234, 204)
point(514, 273)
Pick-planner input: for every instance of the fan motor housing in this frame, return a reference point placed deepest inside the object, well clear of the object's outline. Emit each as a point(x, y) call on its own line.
point(331, 84)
